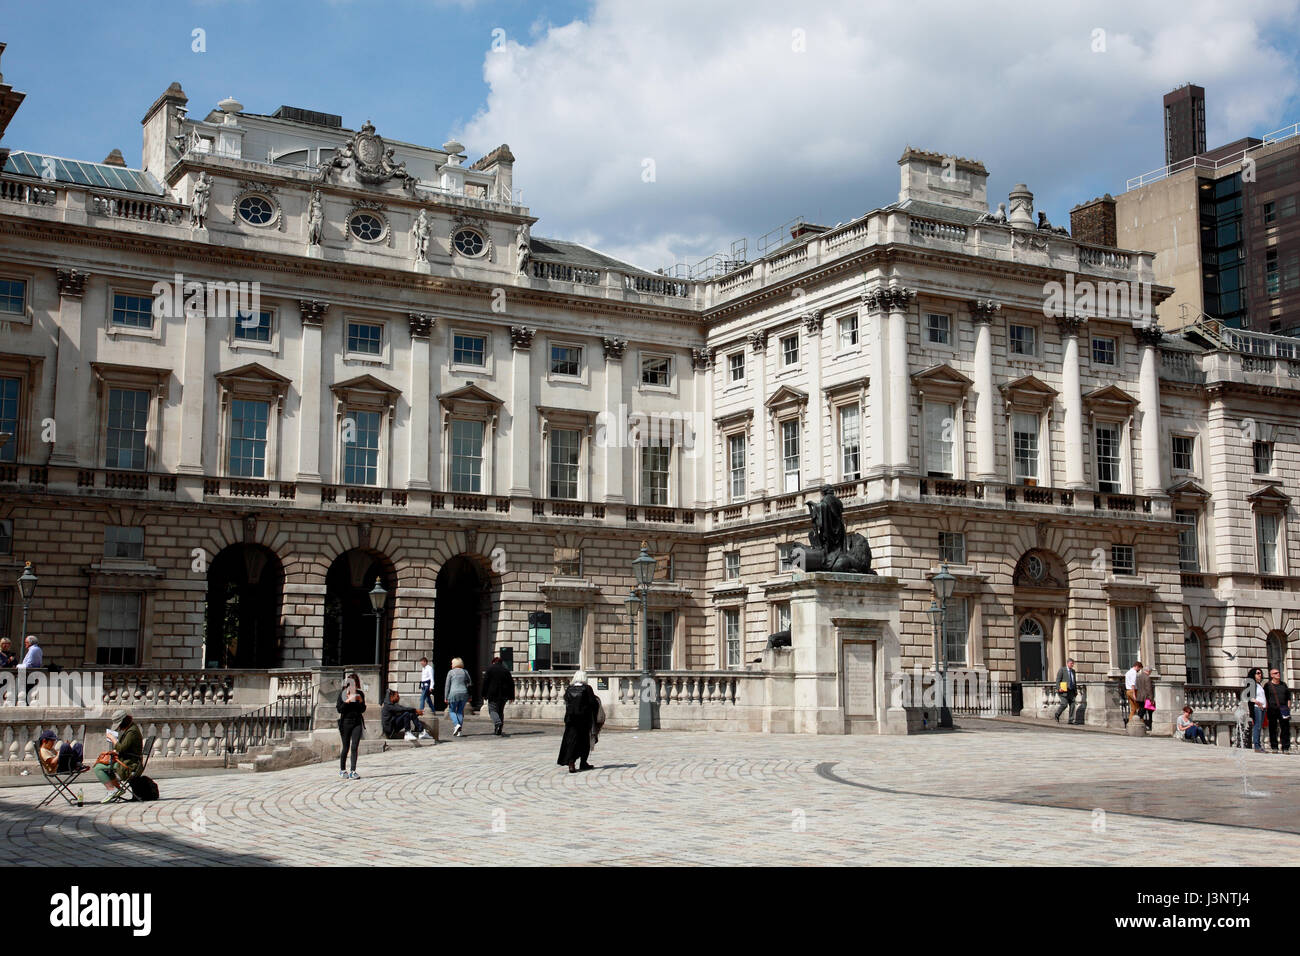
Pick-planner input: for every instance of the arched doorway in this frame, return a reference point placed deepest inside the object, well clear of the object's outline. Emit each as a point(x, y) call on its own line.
point(349, 637)
point(242, 623)
point(1033, 650)
point(460, 620)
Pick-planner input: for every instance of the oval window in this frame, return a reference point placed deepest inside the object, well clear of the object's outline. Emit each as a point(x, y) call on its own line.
point(469, 243)
point(256, 210)
point(366, 227)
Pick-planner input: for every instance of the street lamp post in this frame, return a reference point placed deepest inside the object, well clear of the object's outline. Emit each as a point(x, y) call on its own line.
point(377, 598)
point(644, 568)
point(633, 604)
point(943, 585)
point(26, 587)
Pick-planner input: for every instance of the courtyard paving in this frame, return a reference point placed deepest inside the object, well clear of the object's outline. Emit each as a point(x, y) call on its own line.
point(989, 794)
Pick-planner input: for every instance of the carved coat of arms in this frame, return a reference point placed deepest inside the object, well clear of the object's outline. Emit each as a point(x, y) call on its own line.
point(367, 159)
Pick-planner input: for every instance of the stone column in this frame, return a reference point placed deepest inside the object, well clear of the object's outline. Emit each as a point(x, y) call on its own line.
point(758, 345)
point(1149, 405)
point(878, 385)
point(68, 425)
point(982, 314)
point(309, 410)
point(1072, 397)
point(521, 411)
point(819, 474)
point(420, 325)
point(193, 385)
point(615, 433)
point(699, 454)
point(900, 383)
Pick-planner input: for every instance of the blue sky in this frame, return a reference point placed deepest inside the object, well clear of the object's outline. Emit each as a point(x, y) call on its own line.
point(751, 112)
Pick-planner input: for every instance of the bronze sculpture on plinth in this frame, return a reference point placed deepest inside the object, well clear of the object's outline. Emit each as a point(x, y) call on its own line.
point(832, 547)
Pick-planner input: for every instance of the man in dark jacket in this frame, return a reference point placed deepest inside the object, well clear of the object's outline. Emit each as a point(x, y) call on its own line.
point(1278, 697)
point(1067, 678)
point(396, 718)
point(498, 687)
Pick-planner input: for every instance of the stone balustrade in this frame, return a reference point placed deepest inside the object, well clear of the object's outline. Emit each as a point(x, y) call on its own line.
point(212, 691)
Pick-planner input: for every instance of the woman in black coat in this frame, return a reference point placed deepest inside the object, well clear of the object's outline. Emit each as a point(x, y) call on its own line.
point(351, 706)
point(580, 706)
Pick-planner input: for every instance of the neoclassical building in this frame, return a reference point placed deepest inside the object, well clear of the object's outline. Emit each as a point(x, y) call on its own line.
point(285, 362)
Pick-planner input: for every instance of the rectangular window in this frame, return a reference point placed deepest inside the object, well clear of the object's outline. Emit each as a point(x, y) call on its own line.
point(954, 631)
point(253, 328)
point(364, 338)
point(782, 616)
point(1025, 443)
point(655, 460)
point(1266, 542)
point(468, 350)
point(790, 350)
point(952, 547)
point(361, 454)
point(938, 328)
point(9, 392)
point(736, 463)
point(1263, 451)
point(848, 331)
point(565, 446)
point(1270, 212)
point(248, 422)
point(731, 563)
point(132, 311)
point(118, 639)
point(467, 456)
point(939, 429)
point(1271, 275)
point(6, 612)
point(656, 371)
point(1181, 453)
point(736, 366)
point(1022, 339)
point(1108, 471)
point(128, 423)
point(790, 454)
point(13, 296)
point(120, 542)
point(660, 640)
point(1103, 350)
point(1189, 552)
point(1122, 559)
point(731, 634)
point(784, 554)
point(6, 535)
point(1128, 634)
point(566, 360)
point(850, 442)
point(566, 638)
point(568, 562)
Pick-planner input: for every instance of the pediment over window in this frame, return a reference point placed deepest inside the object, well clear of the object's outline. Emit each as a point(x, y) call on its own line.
point(1028, 391)
point(468, 395)
point(254, 379)
point(941, 378)
point(786, 398)
point(133, 375)
point(734, 419)
point(1110, 398)
point(1269, 498)
point(365, 390)
point(1186, 489)
point(852, 387)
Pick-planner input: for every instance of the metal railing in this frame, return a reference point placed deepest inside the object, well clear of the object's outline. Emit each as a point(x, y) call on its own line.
point(273, 723)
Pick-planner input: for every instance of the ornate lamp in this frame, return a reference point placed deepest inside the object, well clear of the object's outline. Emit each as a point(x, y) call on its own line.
point(644, 566)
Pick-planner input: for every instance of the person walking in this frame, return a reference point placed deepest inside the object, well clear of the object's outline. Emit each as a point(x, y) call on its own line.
point(1130, 694)
point(1253, 694)
point(457, 691)
point(580, 707)
point(1277, 696)
point(1144, 689)
point(1189, 729)
point(1067, 686)
point(351, 706)
point(498, 688)
point(426, 686)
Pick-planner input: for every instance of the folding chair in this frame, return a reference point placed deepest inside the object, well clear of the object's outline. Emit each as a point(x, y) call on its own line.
point(60, 782)
point(145, 751)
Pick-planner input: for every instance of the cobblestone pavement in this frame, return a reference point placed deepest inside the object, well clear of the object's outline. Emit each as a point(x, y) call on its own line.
point(992, 794)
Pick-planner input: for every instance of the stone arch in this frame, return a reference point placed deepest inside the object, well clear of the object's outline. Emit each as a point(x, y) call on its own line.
point(243, 617)
point(349, 632)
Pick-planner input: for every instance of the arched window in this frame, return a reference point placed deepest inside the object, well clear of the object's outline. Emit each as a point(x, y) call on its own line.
point(1194, 656)
point(1277, 652)
point(1033, 656)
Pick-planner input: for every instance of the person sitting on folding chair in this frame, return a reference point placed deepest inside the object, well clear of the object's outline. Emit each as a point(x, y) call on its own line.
point(60, 757)
point(125, 759)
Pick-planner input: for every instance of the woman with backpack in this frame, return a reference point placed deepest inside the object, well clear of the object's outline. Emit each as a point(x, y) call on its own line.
point(351, 706)
point(457, 691)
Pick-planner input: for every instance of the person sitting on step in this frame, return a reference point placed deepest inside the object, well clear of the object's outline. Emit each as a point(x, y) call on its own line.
point(396, 718)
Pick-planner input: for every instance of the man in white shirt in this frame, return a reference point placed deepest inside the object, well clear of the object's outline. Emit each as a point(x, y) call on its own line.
point(426, 686)
point(1130, 692)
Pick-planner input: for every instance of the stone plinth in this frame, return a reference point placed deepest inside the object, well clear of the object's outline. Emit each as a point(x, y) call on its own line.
point(844, 645)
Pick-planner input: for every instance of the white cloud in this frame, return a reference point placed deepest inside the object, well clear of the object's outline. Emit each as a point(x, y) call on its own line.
point(746, 133)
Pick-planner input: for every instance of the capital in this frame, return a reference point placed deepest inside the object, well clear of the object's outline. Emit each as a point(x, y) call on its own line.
point(614, 349)
point(984, 310)
point(1149, 335)
point(313, 311)
point(702, 358)
point(421, 324)
point(1069, 325)
point(72, 283)
point(758, 340)
point(521, 337)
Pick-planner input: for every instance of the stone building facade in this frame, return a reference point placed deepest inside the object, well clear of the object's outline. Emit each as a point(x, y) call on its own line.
point(284, 361)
